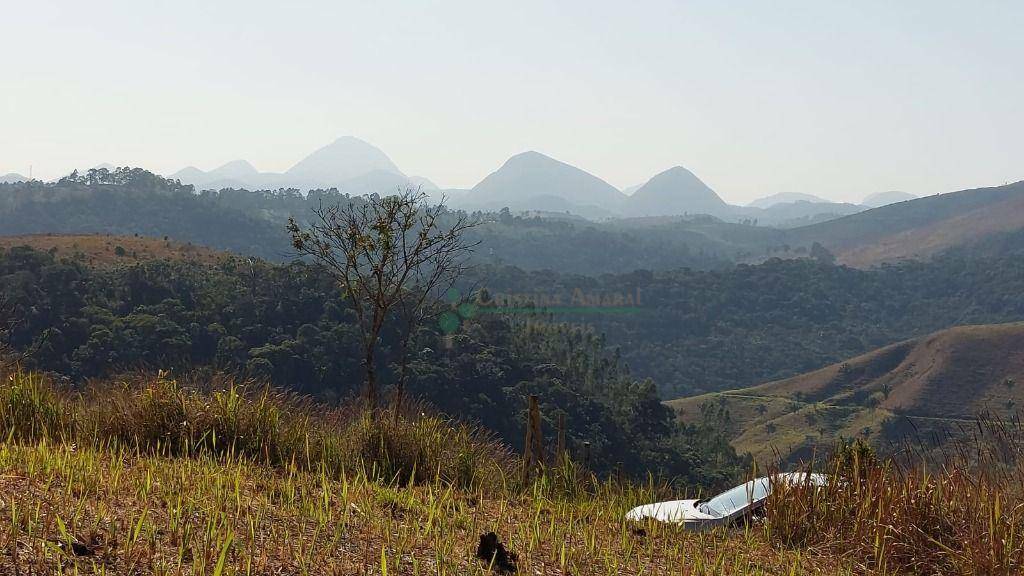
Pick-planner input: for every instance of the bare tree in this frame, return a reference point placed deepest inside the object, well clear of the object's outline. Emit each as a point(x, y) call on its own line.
point(393, 256)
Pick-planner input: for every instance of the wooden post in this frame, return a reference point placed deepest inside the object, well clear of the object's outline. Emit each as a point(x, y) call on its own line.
point(560, 447)
point(538, 440)
point(533, 444)
point(586, 454)
point(528, 441)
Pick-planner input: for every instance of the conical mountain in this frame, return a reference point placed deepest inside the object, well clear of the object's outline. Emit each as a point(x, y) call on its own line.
point(12, 178)
point(344, 159)
point(673, 192)
point(236, 169)
point(189, 175)
point(533, 181)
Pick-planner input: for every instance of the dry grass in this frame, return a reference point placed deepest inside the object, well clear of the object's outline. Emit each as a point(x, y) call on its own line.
point(102, 250)
point(131, 514)
point(961, 513)
point(149, 476)
point(225, 418)
point(114, 482)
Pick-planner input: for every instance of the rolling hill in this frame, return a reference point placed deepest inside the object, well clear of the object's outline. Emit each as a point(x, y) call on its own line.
point(800, 213)
point(937, 382)
point(918, 228)
point(107, 250)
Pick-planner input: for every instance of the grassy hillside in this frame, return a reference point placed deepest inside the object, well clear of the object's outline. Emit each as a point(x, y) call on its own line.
point(146, 476)
point(938, 382)
point(918, 228)
point(965, 229)
point(107, 250)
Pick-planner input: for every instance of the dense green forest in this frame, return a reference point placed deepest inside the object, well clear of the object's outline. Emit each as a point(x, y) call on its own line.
point(290, 325)
point(701, 323)
point(134, 201)
point(698, 331)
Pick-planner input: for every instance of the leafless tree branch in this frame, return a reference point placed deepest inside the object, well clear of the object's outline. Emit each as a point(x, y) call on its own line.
point(393, 256)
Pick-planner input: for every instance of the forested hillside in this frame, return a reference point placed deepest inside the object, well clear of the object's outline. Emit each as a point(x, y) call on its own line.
point(291, 326)
point(700, 323)
point(694, 331)
point(133, 201)
point(127, 201)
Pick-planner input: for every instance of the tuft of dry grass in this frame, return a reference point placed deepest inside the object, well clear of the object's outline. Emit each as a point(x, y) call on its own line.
point(965, 516)
point(158, 415)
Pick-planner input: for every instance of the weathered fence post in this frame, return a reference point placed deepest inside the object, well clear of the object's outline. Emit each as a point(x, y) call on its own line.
point(538, 439)
point(527, 447)
point(533, 446)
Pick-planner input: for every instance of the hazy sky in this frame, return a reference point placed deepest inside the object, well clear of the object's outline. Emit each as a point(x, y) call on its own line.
point(833, 98)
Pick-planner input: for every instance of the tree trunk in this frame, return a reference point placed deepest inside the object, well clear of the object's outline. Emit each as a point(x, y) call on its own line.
point(403, 370)
point(371, 380)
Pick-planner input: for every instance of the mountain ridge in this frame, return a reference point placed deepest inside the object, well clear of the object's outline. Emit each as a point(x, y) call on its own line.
point(918, 228)
point(348, 163)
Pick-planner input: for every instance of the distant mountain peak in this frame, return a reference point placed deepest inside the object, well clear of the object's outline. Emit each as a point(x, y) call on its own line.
point(238, 165)
point(676, 191)
point(12, 178)
point(884, 198)
point(348, 163)
point(531, 180)
point(346, 158)
point(787, 198)
point(348, 138)
point(678, 171)
point(533, 157)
